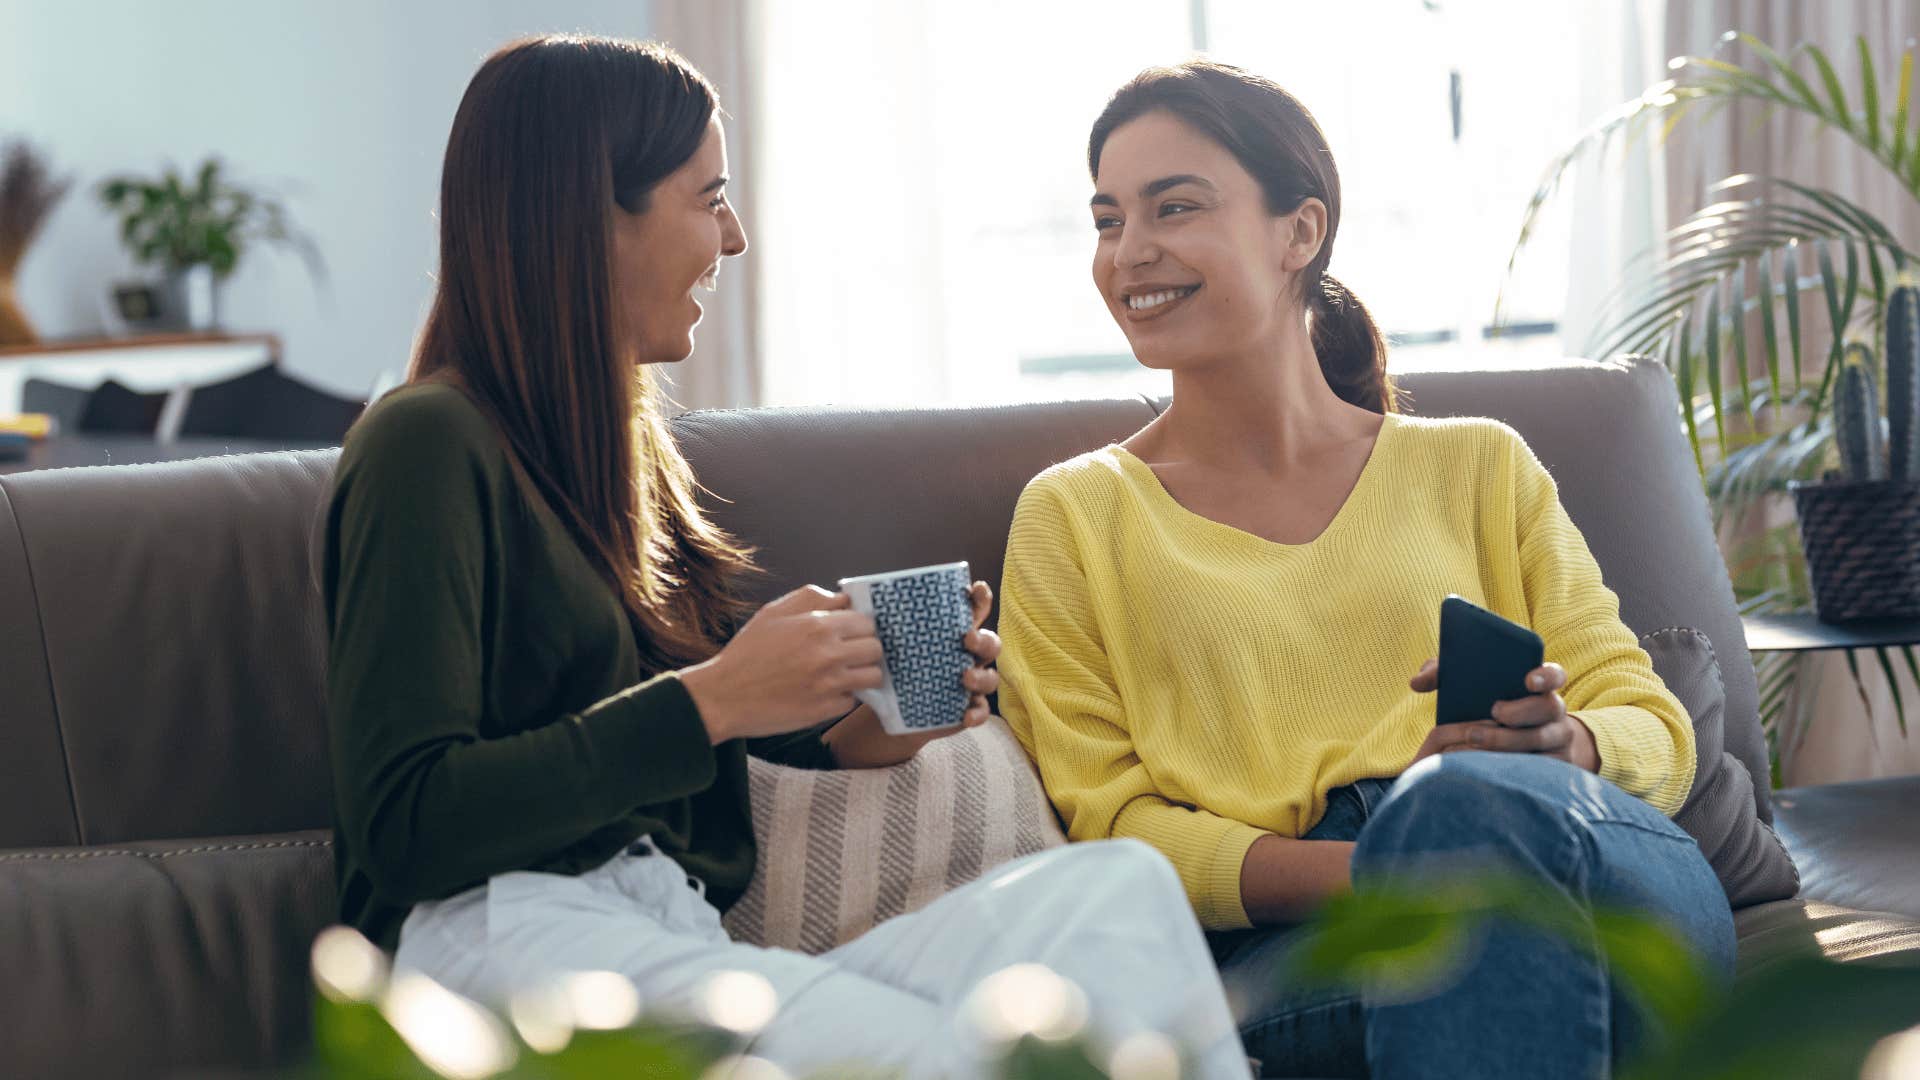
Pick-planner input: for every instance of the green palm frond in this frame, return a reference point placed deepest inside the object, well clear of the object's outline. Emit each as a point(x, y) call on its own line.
point(1722, 300)
point(1772, 83)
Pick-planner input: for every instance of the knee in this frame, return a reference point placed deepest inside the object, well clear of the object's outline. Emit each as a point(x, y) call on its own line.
point(1494, 805)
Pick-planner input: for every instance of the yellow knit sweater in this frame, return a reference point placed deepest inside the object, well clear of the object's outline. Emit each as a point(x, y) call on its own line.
point(1194, 686)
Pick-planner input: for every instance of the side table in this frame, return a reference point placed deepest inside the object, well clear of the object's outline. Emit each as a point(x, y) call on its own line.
point(1801, 632)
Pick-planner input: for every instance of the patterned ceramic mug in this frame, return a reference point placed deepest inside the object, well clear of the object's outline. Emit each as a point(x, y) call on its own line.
point(922, 616)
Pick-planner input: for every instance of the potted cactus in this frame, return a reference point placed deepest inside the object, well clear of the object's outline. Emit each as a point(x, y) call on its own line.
point(1860, 524)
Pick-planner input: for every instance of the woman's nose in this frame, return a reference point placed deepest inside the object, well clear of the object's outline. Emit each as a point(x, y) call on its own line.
point(1135, 248)
point(734, 240)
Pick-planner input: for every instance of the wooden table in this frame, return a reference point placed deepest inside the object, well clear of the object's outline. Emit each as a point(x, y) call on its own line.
point(142, 341)
point(148, 363)
point(73, 451)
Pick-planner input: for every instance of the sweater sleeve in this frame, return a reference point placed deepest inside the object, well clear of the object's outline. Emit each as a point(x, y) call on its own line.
point(1643, 733)
point(1059, 696)
point(432, 804)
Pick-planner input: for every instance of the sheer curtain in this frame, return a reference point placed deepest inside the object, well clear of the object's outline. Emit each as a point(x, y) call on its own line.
point(921, 225)
point(720, 38)
point(924, 231)
point(1790, 144)
point(1619, 200)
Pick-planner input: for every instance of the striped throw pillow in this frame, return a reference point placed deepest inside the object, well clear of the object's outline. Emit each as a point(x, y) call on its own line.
point(842, 851)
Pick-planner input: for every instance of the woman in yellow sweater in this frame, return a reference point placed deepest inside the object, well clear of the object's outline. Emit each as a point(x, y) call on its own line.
point(1209, 628)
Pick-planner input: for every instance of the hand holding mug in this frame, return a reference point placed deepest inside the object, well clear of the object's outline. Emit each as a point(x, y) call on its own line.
point(798, 662)
point(864, 741)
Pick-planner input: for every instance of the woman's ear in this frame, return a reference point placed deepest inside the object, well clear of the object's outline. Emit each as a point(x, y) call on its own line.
point(1306, 231)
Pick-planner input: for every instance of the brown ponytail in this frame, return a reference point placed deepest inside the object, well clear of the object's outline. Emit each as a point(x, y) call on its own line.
point(1352, 352)
point(1278, 142)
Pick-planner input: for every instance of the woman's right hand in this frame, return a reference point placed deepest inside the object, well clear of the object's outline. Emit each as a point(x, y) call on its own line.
point(795, 664)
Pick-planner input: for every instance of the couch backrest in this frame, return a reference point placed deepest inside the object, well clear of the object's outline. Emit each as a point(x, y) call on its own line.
point(165, 680)
point(161, 646)
point(887, 489)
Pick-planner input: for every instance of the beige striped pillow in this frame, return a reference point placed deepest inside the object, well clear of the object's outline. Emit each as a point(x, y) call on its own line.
point(842, 851)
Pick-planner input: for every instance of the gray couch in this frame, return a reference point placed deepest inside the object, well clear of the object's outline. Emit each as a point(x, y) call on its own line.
point(165, 853)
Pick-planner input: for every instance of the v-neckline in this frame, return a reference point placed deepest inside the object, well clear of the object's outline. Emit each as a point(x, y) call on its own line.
point(1143, 473)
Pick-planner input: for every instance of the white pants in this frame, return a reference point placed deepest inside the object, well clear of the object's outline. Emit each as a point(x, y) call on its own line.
point(1110, 916)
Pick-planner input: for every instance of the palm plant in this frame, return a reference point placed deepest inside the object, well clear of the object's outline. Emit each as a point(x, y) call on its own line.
point(1738, 292)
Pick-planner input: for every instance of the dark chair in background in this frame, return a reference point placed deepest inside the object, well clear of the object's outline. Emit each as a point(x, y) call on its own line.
point(62, 402)
point(113, 408)
point(268, 404)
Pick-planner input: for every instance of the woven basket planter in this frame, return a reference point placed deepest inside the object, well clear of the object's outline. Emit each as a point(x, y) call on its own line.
point(1862, 540)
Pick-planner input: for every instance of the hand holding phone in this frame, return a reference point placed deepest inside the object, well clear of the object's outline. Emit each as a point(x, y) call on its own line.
point(1483, 659)
point(1485, 699)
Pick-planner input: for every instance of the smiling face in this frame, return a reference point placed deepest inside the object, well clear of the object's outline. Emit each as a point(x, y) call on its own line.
point(662, 254)
point(1190, 260)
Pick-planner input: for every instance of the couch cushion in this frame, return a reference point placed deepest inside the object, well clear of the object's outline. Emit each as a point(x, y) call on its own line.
point(1609, 435)
point(183, 644)
point(36, 802)
point(179, 953)
point(1749, 859)
point(840, 852)
point(1857, 843)
point(1769, 933)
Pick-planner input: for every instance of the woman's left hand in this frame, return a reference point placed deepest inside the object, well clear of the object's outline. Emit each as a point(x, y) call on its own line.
point(859, 742)
point(1536, 724)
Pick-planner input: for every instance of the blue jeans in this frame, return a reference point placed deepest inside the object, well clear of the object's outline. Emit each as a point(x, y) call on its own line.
point(1527, 1004)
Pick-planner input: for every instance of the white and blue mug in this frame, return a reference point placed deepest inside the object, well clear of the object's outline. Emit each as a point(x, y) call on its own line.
point(923, 616)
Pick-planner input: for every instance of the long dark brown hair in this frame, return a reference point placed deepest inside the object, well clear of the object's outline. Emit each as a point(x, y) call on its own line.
point(552, 134)
point(1280, 145)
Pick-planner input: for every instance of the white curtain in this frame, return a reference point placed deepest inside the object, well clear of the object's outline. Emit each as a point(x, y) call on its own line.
point(1790, 144)
point(1827, 732)
point(850, 236)
point(921, 178)
point(719, 37)
point(1618, 199)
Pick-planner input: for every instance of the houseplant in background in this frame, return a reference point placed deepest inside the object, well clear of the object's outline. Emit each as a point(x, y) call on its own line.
point(1860, 524)
point(1739, 292)
point(28, 192)
point(196, 229)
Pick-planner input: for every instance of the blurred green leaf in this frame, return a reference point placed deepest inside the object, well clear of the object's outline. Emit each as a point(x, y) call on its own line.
point(1654, 965)
point(1395, 944)
point(1038, 1059)
point(1869, 93)
point(1841, 114)
point(1893, 687)
point(352, 1039)
point(1902, 91)
point(1804, 1017)
point(1713, 364)
point(643, 1051)
point(1737, 324)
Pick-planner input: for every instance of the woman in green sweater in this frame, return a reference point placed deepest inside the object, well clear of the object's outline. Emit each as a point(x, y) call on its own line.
point(1210, 626)
point(539, 722)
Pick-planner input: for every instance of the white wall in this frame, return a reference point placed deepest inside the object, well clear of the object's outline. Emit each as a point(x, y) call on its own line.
point(344, 104)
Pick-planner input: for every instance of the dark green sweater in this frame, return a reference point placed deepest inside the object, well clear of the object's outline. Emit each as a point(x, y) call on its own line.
point(487, 703)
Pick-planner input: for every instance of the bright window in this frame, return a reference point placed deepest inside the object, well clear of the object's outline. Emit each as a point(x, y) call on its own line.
point(922, 180)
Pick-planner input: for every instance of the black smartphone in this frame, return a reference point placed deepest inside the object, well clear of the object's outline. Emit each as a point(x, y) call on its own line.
point(1483, 659)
